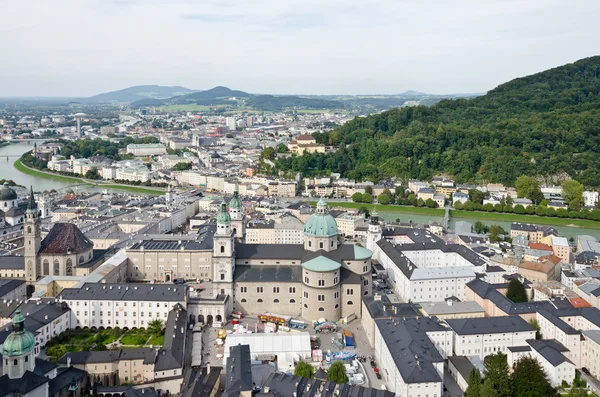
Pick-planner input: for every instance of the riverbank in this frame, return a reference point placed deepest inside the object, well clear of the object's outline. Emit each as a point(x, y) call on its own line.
point(476, 215)
point(82, 181)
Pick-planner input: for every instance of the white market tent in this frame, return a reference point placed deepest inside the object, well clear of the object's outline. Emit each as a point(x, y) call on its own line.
point(288, 347)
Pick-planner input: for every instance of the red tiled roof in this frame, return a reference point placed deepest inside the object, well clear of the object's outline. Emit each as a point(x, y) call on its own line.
point(552, 258)
point(579, 302)
point(65, 238)
point(304, 137)
point(540, 246)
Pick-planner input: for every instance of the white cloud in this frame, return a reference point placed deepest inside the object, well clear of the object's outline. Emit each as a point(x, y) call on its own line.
point(83, 47)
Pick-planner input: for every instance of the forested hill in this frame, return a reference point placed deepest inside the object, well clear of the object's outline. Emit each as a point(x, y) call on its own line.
point(547, 124)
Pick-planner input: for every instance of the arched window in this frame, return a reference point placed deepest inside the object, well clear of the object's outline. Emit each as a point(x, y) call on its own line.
point(292, 300)
point(56, 267)
point(306, 306)
point(26, 359)
point(244, 300)
point(81, 259)
point(46, 267)
point(28, 229)
point(275, 300)
point(321, 309)
point(69, 270)
point(337, 305)
point(222, 249)
point(234, 230)
point(349, 303)
point(321, 245)
point(16, 362)
point(259, 300)
point(309, 243)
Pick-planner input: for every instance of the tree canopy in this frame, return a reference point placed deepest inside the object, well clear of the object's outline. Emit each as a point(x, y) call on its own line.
point(304, 370)
point(529, 379)
point(516, 291)
point(541, 125)
point(496, 376)
point(337, 373)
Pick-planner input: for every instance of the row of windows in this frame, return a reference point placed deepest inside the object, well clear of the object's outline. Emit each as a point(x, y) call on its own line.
point(260, 290)
point(260, 300)
point(119, 303)
point(85, 313)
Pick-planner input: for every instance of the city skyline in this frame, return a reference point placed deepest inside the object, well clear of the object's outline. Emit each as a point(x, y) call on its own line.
point(86, 48)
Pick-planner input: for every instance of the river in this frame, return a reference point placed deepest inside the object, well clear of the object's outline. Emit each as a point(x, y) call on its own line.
point(8, 171)
point(564, 231)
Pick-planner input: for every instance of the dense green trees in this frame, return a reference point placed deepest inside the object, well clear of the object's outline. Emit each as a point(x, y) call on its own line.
point(304, 370)
point(182, 166)
point(529, 126)
point(529, 187)
point(573, 193)
point(386, 197)
point(529, 379)
point(337, 373)
point(86, 148)
point(516, 291)
point(474, 383)
point(496, 376)
point(538, 331)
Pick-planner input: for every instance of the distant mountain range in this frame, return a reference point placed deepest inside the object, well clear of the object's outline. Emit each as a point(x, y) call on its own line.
point(155, 95)
point(139, 92)
point(226, 96)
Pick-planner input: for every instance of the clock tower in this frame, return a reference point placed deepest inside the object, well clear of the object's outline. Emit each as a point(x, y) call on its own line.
point(223, 253)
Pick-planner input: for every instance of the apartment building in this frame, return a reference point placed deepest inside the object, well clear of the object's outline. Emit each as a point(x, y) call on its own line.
point(166, 260)
point(488, 335)
point(533, 233)
point(411, 355)
point(121, 305)
point(421, 266)
point(146, 149)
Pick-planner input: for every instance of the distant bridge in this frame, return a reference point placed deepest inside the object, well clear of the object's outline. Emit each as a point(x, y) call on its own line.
point(28, 141)
point(447, 217)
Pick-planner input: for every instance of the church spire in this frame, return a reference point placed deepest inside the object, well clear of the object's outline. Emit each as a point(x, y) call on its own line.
point(32, 205)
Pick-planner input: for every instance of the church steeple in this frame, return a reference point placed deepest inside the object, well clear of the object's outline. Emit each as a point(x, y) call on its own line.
point(32, 205)
point(33, 239)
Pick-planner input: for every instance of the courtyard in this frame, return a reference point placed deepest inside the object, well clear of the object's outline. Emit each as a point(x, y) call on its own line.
point(86, 339)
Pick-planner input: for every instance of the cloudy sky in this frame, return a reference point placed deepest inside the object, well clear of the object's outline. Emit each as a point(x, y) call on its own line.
point(84, 47)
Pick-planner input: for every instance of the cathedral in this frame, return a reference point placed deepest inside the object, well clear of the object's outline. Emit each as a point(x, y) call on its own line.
point(63, 249)
point(321, 278)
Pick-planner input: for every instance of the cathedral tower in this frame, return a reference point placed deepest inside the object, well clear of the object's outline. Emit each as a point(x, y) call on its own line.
point(33, 240)
point(223, 253)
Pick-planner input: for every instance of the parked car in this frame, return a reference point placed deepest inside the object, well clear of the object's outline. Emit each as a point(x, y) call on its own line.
point(373, 365)
point(378, 375)
point(179, 281)
point(376, 370)
point(585, 371)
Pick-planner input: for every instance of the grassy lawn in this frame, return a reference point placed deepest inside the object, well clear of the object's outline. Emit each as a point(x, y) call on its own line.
point(388, 208)
point(141, 337)
point(479, 215)
point(22, 168)
point(133, 189)
point(157, 340)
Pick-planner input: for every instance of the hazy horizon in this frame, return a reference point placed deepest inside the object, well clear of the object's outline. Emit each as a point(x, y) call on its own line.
point(86, 47)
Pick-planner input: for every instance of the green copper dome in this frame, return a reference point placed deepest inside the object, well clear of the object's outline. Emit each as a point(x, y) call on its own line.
point(235, 202)
point(223, 216)
point(19, 341)
point(321, 224)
